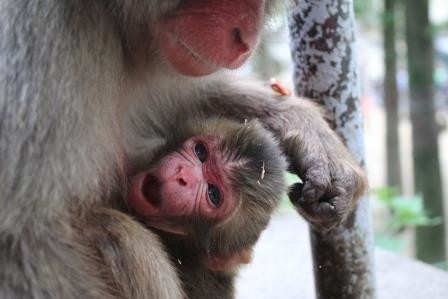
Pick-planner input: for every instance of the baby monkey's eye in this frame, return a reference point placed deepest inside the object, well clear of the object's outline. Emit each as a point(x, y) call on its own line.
point(214, 195)
point(201, 152)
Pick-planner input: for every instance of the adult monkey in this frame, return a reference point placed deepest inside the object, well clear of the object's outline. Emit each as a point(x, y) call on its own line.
point(68, 68)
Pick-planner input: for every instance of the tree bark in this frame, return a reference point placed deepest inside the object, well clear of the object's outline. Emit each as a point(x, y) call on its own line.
point(427, 178)
point(323, 45)
point(393, 164)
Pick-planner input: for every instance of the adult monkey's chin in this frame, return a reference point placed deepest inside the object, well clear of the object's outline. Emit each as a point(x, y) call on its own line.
point(182, 58)
point(190, 62)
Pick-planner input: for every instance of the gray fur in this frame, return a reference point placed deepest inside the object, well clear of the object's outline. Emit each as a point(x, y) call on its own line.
point(68, 71)
point(59, 134)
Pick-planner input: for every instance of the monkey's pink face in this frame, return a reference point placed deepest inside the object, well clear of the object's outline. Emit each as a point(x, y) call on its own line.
point(203, 36)
point(192, 181)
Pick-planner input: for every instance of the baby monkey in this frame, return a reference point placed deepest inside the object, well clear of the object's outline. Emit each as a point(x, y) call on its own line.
point(209, 191)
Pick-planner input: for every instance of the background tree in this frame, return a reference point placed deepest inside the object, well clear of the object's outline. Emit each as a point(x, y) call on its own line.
point(393, 164)
point(427, 179)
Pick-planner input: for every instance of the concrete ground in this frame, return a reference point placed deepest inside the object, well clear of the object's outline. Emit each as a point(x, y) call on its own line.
point(281, 268)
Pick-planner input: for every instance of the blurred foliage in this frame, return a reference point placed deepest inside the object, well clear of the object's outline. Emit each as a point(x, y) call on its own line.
point(363, 7)
point(402, 212)
point(442, 26)
point(367, 12)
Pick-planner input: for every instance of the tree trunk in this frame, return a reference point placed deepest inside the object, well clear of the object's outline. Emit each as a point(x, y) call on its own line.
point(322, 42)
point(427, 179)
point(391, 97)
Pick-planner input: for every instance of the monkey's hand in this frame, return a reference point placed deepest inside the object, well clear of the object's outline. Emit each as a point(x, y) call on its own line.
point(332, 180)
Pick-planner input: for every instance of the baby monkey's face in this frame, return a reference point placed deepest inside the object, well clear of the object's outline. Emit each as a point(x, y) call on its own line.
point(215, 189)
point(191, 182)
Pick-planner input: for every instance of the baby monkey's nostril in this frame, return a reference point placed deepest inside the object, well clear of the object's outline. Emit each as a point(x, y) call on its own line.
point(181, 182)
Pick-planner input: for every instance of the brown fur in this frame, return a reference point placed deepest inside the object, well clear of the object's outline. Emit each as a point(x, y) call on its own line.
point(69, 69)
point(246, 146)
point(117, 247)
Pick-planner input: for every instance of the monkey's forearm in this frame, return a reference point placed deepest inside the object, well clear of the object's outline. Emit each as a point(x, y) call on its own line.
point(333, 182)
point(289, 118)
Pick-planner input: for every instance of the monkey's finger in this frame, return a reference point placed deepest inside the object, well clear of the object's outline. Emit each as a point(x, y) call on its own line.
point(324, 213)
point(335, 206)
point(321, 216)
point(314, 186)
point(309, 191)
point(313, 190)
point(279, 88)
point(331, 205)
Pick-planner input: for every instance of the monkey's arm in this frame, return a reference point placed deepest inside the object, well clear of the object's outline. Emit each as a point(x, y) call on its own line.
point(333, 182)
